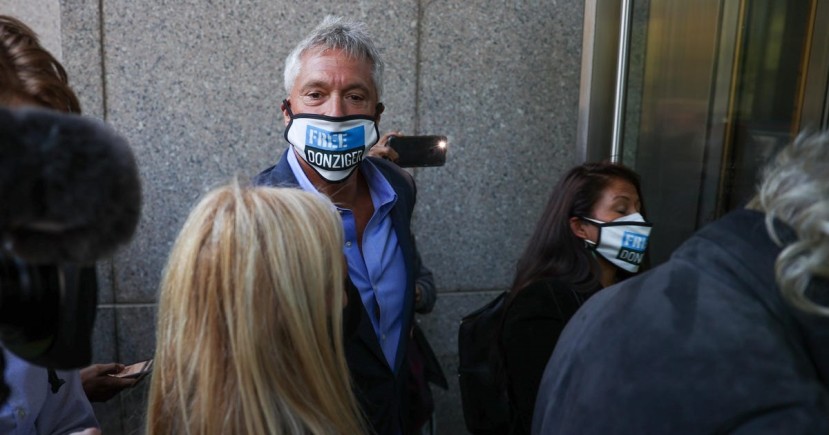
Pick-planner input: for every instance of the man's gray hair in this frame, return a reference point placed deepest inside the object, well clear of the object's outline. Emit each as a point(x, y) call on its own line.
point(337, 33)
point(795, 190)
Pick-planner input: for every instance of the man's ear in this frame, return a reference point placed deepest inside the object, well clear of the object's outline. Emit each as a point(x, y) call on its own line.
point(380, 109)
point(286, 119)
point(577, 227)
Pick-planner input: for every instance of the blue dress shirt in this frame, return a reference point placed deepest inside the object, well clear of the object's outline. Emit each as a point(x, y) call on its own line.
point(33, 408)
point(379, 271)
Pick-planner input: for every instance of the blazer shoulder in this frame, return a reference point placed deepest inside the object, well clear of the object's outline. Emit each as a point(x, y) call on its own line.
point(264, 178)
point(278, 175)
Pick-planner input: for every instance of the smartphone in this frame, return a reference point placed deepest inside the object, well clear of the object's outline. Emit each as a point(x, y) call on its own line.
point(419, 151)
point(136, 371)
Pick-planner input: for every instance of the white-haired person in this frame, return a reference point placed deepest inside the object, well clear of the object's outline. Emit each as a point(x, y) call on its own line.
point(249, 337)
point(731, 335)
point(333, 95)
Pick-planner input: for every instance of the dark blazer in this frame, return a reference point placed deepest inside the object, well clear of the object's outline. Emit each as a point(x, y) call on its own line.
point(534, 319)
point(702, 344)
point(380, 389)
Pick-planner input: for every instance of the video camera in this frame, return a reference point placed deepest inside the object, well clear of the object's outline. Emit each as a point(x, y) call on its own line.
point(69, 194)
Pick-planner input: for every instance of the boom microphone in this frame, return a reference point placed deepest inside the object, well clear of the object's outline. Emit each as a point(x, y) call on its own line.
point(69, 194)
point(69, 187)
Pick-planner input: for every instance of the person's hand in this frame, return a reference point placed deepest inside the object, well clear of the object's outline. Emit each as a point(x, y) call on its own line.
point(382, 149)
point(99, 386)
point(90, 431)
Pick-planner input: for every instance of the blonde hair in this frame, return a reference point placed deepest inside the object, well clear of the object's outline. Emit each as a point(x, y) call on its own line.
point(795, 190)
point(249, 337)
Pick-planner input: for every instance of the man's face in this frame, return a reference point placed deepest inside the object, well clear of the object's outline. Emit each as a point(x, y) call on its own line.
point(333, 84)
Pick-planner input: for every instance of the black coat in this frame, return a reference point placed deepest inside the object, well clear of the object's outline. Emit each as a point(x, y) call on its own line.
point(532, 323)
point(380, 389)
point(703, 344)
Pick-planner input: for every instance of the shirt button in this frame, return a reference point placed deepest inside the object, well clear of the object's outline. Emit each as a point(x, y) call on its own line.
point(21, 413)
point(383, 337)
point(348, 244)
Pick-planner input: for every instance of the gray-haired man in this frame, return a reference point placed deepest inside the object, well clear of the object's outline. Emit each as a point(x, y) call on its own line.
point(334, 83)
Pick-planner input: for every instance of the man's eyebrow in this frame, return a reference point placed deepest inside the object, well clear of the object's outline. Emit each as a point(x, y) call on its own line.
point(324, 85)
point(359, 86)
point(313, 84)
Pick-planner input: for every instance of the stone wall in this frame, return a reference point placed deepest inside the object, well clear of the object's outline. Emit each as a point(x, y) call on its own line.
point(195, 86)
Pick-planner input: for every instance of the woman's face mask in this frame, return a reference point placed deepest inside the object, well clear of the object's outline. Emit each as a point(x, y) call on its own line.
point(333, 146)
point(622, 241)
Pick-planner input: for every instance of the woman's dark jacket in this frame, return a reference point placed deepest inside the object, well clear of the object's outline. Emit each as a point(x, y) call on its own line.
point(535, 317)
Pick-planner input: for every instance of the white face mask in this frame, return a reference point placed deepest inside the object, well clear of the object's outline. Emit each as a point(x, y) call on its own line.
point(333, 146)
point(622, 241)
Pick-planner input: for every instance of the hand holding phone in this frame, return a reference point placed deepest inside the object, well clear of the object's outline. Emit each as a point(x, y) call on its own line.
point(135, 371)
point(419, 151)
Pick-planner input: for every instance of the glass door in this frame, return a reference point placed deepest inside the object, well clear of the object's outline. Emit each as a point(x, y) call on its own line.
point(714, 88)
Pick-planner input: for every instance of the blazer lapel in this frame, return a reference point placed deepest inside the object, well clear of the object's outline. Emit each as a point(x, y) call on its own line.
point(364, 329)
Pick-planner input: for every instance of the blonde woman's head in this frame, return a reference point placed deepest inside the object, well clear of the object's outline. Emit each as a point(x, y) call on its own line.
point(249, 333)
point(795, 190)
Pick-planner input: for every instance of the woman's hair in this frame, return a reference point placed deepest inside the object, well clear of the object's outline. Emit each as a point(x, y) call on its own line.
point(795, 190)
point(28, 73)
point(554, 251)
point(249, 336)
point(336, 33)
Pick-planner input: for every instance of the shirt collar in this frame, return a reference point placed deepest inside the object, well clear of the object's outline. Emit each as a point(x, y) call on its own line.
point(296, 168)
point(381, 191)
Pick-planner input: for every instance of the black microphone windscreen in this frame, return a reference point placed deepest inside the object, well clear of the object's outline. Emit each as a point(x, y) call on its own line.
point(69, 186)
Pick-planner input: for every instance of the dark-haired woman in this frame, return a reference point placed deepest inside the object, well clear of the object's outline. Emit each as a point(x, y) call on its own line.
point(591, 235)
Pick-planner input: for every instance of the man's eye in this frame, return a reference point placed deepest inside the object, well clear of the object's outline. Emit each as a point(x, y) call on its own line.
point(354, 97)
point(314, 95)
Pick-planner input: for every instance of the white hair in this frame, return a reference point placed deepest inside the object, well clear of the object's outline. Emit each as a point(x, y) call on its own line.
point(795, 190)
point(336, 33)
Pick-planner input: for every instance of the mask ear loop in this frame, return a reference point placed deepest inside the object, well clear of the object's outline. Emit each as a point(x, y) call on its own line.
point(599, 224)
point(287, 105)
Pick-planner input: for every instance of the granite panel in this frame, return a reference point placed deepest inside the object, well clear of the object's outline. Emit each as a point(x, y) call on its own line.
point(104, 350)
point(127, 327)
point(42, 16)
point(501, 80)
point(109, 416)
point(104, 271)
point(135, 328)
point(134, 408)
point(103, 336)
point(196, 89)
point(81, 37)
